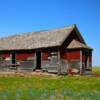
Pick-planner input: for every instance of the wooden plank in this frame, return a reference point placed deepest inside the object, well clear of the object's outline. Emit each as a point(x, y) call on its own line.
point(59, 63)
point(80, 61)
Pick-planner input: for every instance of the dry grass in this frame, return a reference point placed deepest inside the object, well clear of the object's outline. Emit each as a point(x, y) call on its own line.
point(96, 70)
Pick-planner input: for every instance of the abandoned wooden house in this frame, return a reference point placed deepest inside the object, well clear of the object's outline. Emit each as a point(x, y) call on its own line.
point(54, 51)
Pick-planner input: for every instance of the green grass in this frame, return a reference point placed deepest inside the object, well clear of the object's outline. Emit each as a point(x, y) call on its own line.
point(80, 83)
point(96, 70)
point(15, 85)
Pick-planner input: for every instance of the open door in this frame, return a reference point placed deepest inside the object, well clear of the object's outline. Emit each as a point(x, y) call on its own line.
point(38, 60)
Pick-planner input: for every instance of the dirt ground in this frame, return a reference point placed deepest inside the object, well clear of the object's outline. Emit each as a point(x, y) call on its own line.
point(22, 74)
point(39, 73)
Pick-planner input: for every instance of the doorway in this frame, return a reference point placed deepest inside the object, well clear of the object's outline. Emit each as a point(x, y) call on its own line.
point(38, 60)
point(13, 57)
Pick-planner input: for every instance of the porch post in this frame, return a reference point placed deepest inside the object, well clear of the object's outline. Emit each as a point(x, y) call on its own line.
point(80, 61)
point(41, 59)
point(59, 63)
point(10, 58)
point(90, 60)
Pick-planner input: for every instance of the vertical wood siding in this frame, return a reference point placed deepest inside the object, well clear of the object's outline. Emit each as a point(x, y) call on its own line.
point(19, 56)
point(5, 55)
point(70, 55)
point(44, 55)
point(24, 56)
point(74, 55)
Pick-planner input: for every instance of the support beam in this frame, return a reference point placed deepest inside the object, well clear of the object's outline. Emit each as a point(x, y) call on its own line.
point(59, 63)
point(80, 61)
point(10, 58)
point(35, 59)
point(91, 58)
point(88, 65)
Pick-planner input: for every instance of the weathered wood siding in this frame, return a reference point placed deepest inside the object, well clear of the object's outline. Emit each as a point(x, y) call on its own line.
point(50, 61)
point(19, 56)
point(5, 55)
point(70, 59)
point(25, 59)
point(24, 56)
point(3, 63)
point(45, 56)
point(67, 58)
point(70, 55)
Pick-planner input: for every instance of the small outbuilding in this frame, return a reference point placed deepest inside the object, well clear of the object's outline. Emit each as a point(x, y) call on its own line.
point(57, 51)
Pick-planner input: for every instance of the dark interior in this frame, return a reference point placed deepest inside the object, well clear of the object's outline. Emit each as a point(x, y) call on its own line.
point(38, 60)
point(13, 58)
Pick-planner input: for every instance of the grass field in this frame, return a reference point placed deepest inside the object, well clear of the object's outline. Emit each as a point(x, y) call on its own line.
point(96, 70)
point(82, 83)
point(77, 84)
point(26, 84)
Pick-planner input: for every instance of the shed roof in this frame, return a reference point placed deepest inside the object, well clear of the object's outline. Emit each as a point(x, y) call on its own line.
point(35, 40)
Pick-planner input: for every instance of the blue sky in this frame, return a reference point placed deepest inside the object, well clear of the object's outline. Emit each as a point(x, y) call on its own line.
point(17, 16)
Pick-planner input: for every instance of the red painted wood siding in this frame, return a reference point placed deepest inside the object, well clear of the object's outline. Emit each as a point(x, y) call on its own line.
point(63, 54)
point(44, 55)
point(74, 55)
point(24, 56)
point(6, 55)
point(21, 56)
point(70, 55)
